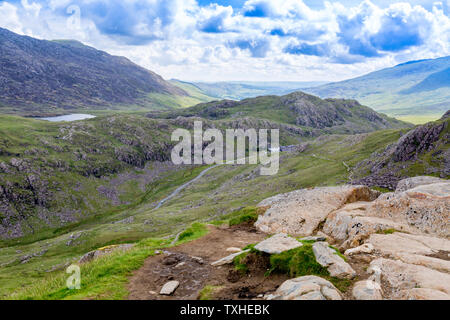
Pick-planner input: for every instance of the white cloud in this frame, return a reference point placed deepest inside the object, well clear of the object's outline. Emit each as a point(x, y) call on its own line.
point(265, 40)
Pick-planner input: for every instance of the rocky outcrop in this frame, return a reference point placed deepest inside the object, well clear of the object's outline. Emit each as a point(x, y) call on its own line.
point(425, 147)
point(400, 239)
point(404, 279)
point(425, 208)
point(351, 225)
point(300, 213)
point(306, 288)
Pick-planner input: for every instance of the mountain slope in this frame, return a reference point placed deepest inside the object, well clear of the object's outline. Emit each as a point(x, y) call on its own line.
point(416, 88)
point(297, 109)
point(422, 151)
point(44, 77)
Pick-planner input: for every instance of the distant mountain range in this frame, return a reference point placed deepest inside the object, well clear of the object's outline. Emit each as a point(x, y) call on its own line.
point(408, 91)
point(238, 90)
point(50, 77)
point(39, 77)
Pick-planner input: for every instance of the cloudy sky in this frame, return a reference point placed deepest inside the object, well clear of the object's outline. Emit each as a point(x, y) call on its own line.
point(257, 40)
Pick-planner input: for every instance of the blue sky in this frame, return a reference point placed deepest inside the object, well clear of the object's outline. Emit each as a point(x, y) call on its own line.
point(257, 40)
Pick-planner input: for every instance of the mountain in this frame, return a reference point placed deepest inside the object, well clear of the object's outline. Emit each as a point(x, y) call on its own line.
point(40, 77)
point(412, 91)
point(300, 110)
point(238, 90)
point(423, 150)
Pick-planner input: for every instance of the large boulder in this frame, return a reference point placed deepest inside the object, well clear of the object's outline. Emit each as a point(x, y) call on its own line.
point(426, 208)
point(306, 288)
point(351, 225)
point(404, 279)
point(277, 244)
point(411, 183)
point(299, 213)
point(427, 251)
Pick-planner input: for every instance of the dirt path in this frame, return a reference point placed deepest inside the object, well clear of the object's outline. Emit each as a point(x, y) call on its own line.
point(182, 187)
point(190, 264)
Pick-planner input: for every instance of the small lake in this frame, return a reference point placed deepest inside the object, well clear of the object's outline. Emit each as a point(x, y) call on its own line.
point(68, 117)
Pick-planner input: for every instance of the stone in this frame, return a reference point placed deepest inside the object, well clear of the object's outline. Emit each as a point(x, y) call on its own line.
point(228, 259)
point(198, 260)
point(299, 213)
point(328, 257)
point(351, 226)
point(314, 238)
point(306, 288)
point(392, 244)
point(277, 244)
point(367, 290)
point(405, 277)
point(366, 248)
point(169, 288)
point(423, 294)
point(411, 183)
point(425, 208)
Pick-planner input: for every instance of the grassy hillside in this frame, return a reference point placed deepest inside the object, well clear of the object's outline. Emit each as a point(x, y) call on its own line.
point(304, 111)
point(76, 187)
point(220, 192)
point(418, 91)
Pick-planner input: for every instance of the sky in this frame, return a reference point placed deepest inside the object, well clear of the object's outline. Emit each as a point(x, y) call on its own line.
point(251, 40)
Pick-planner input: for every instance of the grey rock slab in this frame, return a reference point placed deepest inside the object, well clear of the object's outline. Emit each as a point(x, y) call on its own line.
point(328, 257)
point(306, 288)
point(277, 244)
point(169, 288)
point(228, 259)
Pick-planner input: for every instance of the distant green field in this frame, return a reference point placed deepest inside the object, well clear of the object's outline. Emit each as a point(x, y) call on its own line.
point(418, 119)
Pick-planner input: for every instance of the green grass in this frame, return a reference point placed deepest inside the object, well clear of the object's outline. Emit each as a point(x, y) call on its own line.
point(297, 263)
point(246, 215)
point(164, 101)
point(339, 253)
point(387, 231)
point(106, 277)
point(420, 119)
point(300, 262)
point(195, 231)
point(207, 293)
